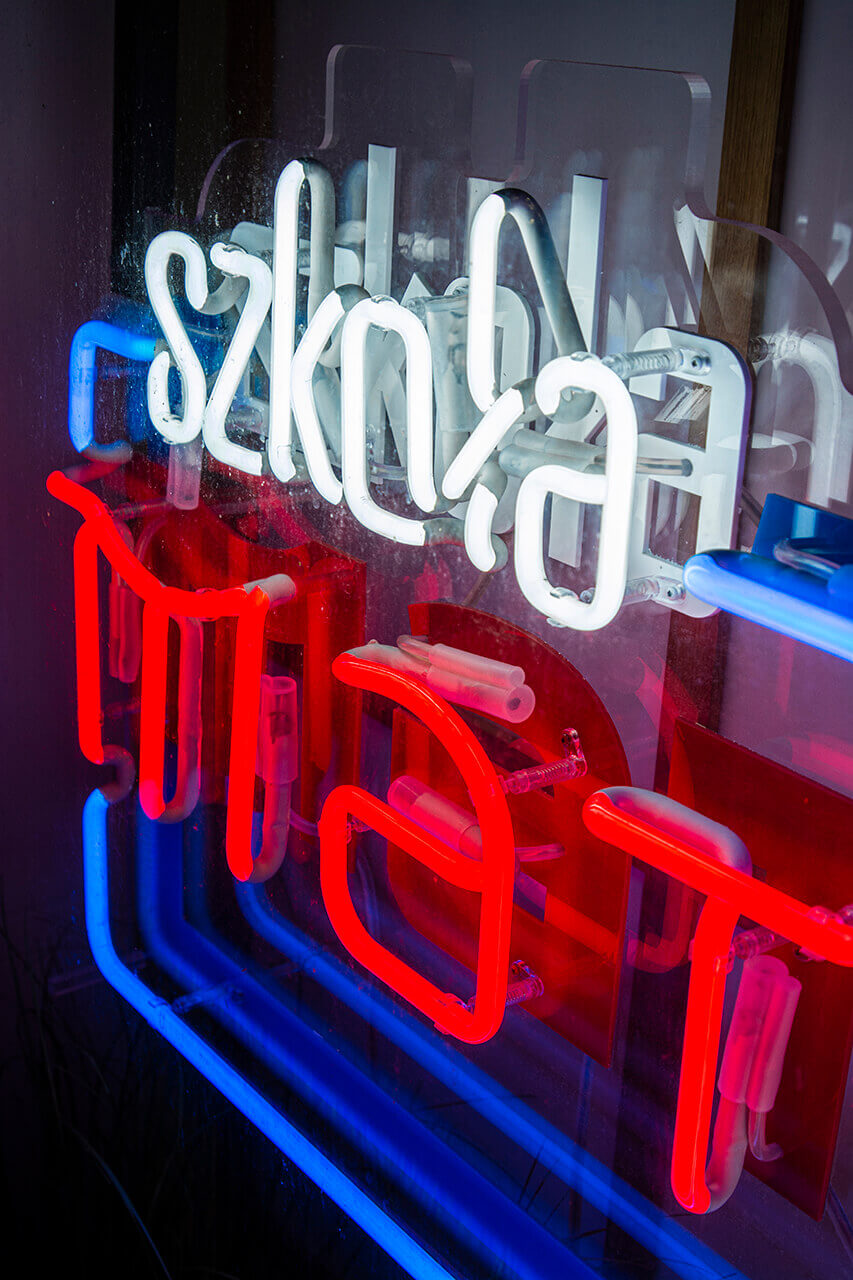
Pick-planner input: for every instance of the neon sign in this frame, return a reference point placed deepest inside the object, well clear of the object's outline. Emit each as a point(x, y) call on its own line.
point(318, 764)
point(492, 877)
point(248, 604)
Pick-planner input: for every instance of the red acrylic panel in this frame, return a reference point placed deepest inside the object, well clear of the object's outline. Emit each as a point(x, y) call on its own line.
point(578, 959)
point(798, 833)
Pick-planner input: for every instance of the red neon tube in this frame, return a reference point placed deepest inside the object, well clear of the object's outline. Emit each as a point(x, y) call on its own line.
point(90, 717)
point(155, 646)
point(493, 877)
point(657, 830)
point(249, 604)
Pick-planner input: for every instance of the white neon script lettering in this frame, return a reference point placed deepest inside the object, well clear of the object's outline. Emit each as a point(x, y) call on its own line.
point(288, 194)
point(318, 334)
point(496, 424)
point(176, 428)
point(338, 325)
point(386, 314)
point(234, 261)
point(483, 250)
point(613, 492)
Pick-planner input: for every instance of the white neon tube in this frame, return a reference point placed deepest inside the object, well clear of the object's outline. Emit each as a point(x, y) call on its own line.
point(234, 261)
point(176, 428)
point(487, 436)
point(306, 357)
point(613, 492)
point(479, 517)
point(461, 662)
point(384, 313)
point(288, 194)
point(483, 256)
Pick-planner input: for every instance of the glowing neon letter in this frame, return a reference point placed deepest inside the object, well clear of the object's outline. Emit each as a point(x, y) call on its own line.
point(491, 431)
point(234, 261)
point(320, 331)
point(679, 842)
point(483, 252)
point(386, 314)
point(613, 492)
point(177, 429)
point(288, 195)
point(249, 604)
point(493, 877)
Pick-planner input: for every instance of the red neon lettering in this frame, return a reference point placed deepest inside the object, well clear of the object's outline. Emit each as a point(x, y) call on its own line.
point(249, 604)
point(639, 822)
point(155, 640)
point(492, 877)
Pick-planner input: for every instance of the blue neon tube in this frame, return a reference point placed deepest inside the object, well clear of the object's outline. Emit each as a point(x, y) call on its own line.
point(83, 372)
point(638, 1217)
point(388, 1131)
point(261, 1113)
point(393, 1137)
point(786, 600)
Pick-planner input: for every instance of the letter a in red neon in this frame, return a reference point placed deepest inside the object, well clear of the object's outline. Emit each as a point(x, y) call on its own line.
point(493, 878)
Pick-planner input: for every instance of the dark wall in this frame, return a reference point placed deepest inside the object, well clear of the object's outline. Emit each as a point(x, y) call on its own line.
point(115, 1158)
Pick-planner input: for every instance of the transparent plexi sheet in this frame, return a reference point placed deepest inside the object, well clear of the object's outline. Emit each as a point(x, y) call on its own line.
point(529, 1111)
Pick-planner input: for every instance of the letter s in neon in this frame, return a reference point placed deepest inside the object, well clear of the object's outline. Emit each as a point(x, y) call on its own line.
point(176, 428)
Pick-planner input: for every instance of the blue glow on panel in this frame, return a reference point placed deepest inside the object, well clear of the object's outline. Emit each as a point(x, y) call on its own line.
point(83, 372)
point(786, 600)
point(391, 1136)
point(206, 966)
point(598, 1185)
point(261, 1113)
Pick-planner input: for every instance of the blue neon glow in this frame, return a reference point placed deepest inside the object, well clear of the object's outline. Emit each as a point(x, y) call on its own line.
point(598, 1185)
point(83, 372)
point(786, 600)
point(261, 1113)
point(777, 590)
point(203, 964)
point(391, 1136)
point(388, 1133)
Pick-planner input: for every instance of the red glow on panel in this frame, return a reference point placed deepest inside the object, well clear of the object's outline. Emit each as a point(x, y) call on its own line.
point(492, 878)
point(245, 706)
point(577, 949)
point(631, 819)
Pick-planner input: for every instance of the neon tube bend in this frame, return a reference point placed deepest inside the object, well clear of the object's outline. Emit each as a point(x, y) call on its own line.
point(704, 855)
point(536, 236)
point(772, 595)
point(248, 603)
point(83, 374)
